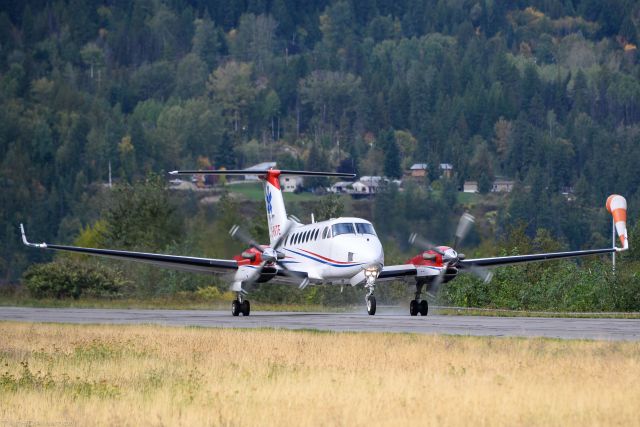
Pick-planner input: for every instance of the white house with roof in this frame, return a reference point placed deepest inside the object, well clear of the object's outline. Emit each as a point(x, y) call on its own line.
point(341, 187)
point(290, 183)
point(470, 187)
point(418, 170)
point(502, 185)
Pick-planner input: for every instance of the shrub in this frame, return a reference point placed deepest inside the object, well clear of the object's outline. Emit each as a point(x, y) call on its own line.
point(67, 277)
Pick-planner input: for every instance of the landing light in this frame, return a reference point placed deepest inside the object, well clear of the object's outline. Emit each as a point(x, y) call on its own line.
point(371, 272)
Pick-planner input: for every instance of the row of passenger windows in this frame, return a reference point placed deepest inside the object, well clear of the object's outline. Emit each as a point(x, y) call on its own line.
point(328, 232)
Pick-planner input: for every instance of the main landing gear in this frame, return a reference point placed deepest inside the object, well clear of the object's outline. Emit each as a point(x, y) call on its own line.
point(240, 305)
point(419, 305)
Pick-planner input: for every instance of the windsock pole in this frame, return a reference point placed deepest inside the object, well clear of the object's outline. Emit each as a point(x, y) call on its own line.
point(613, 244)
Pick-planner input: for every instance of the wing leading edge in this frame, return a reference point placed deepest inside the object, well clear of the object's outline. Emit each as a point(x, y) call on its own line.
point(517, 259)
point(185, 263)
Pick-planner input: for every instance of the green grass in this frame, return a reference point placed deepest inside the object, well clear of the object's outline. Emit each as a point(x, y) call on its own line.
point(468, 198)
point(167, 303)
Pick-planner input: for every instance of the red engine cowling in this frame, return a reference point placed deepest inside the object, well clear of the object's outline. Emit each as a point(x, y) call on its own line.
point(429, 257)
point(253, 257)
point(250, 256)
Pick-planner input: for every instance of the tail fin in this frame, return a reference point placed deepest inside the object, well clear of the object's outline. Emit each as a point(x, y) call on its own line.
point(276, 212)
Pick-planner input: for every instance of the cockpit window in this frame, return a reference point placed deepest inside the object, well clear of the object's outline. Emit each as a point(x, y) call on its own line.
point(344, 228)
point(364, 228)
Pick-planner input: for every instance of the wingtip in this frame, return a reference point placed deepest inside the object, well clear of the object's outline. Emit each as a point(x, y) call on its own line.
point(24, 237)
point(173, 172)
point(27, 243)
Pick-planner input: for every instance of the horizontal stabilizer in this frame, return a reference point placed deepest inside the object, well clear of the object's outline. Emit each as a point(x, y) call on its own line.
point(262, 172)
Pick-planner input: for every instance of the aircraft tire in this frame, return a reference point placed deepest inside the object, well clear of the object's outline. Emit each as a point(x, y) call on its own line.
point(414, 307)
point(371, 305)
point(424, 307)
point(235, 307)
point(246, 307)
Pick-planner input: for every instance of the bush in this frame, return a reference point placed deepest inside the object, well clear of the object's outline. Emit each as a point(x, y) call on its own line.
point(67, 277)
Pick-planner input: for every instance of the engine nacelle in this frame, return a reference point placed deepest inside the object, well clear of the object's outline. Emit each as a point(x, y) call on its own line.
point(247, 272)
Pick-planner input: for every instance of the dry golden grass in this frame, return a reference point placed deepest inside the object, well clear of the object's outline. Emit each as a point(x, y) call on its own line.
point(152, 375)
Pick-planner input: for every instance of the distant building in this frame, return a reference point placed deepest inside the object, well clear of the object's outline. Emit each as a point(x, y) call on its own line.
point(418, 170)
point(368, 184)
point(470, 187)
point(446, 170)
point(501, 185)
point(290, 183)
point(341, 187)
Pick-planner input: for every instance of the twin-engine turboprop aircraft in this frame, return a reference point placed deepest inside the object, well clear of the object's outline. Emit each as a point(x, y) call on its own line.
point(339, 251)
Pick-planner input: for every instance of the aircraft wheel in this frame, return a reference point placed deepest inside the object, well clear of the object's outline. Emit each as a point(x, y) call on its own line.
point(424, 307)
point(246, 307)
point(235, 307)
point(414, 307)
point(371, 305)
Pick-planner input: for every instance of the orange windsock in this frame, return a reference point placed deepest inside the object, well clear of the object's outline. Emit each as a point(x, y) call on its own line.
point(617, 206)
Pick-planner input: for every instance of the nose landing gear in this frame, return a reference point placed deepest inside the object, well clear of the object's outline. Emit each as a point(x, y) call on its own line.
point(371, 274)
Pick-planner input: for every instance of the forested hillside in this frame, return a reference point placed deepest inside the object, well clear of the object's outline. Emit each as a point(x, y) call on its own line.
point(545, 92)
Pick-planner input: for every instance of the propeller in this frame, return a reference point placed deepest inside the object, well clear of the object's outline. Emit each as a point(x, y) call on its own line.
point(465, 224)
point(450, 257)
point(269, 254)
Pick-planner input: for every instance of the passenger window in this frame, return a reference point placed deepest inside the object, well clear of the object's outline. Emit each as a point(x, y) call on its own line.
point(325, 233)
point(315, 235)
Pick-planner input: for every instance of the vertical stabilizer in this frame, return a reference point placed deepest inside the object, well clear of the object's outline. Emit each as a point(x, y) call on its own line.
point(276, 212)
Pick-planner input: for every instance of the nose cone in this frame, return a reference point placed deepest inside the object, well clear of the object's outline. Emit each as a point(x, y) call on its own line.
point(371, 253)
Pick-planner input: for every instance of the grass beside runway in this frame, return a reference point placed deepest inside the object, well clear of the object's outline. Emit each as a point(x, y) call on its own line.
point(153, 375)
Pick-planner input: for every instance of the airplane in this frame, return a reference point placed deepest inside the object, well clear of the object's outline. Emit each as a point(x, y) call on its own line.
point(339, 251)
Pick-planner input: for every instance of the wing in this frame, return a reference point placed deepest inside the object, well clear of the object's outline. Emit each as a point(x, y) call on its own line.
point(192, 264)
point(393, 272)
point(517, 259)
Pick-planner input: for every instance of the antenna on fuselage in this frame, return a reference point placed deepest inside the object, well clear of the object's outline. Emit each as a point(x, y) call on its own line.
point(313, 218)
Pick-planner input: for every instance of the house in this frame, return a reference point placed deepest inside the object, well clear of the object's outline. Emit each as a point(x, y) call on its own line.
point(501, 185)
point(341, 187)
point(418, 170)
point(470, 187)
point(446, 170)
point(368, 184)
point(290, 183)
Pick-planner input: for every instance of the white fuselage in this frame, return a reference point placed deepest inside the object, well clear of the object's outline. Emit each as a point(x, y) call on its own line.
point(333, 251)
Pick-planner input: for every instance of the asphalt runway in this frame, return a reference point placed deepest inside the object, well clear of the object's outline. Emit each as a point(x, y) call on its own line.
point(597, 329)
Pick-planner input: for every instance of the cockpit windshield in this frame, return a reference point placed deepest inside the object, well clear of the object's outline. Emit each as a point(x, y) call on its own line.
point(364, 228)
point(344, 228)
